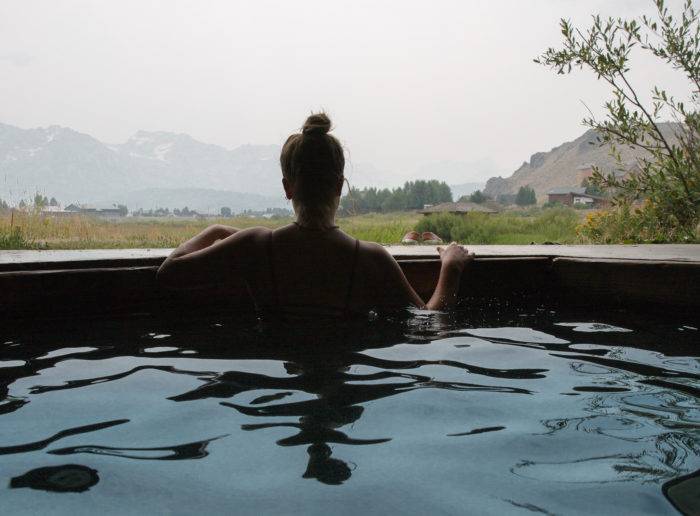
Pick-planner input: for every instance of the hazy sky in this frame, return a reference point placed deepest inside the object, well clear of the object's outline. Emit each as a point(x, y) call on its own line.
point(406, 83)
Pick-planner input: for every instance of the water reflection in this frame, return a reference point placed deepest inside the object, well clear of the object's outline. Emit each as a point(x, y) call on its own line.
point(634, 417)
point(68, 478)
point(338, 395)
point(635, 413)
point(38, 445)
point(336, 405)
point(195, 450)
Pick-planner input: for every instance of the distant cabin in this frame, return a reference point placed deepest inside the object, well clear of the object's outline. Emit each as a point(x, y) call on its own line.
point(575, 196)
point(107, 212)
point(55, 211)
point(458, 208)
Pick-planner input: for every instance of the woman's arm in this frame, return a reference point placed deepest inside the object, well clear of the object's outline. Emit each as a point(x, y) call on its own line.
point(454, 259)
point(204, 259)
point(202, 240)
point(399, 292)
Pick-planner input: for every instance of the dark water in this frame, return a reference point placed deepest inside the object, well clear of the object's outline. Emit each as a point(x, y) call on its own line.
point(498, 412)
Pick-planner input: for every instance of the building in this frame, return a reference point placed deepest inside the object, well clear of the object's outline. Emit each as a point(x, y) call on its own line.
point(107, 211)
point(55, 211)
point(575, 196)
point(459, 208)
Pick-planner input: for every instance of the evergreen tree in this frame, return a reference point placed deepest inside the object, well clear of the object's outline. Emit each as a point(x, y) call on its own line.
point(525, 196)
point(412, 195)
point(477, 197)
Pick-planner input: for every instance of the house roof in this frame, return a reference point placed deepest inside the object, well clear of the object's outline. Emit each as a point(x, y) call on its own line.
point(577, 190)
point(91, 207)
point(457, 207)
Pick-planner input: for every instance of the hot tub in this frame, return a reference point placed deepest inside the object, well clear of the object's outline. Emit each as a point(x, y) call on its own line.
point(557, 386)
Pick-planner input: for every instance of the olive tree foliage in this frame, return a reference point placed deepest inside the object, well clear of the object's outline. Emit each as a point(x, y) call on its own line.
point(666, 178)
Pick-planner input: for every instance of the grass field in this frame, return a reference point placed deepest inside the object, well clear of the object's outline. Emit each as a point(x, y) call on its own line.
point(32, 231)
point(510, 227)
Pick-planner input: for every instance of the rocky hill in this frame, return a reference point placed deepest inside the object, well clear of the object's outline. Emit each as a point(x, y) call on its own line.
point(564, 166)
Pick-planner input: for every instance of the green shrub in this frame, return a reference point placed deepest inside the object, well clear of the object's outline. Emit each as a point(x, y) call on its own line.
point(628, 225)
point(552, 225)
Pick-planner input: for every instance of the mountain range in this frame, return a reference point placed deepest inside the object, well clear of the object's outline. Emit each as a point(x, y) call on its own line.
point(164, 169)
point(161, 169)
point(75, 167)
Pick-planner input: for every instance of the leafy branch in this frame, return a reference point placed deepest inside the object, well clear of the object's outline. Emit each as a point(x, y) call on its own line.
point(667, 170)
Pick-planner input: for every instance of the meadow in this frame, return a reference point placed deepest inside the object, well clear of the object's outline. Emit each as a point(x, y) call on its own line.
point(536, 225)
point(21, 230)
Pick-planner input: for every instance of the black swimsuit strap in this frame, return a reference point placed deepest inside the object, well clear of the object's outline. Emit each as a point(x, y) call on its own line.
point(273, 279)
point(352, 275)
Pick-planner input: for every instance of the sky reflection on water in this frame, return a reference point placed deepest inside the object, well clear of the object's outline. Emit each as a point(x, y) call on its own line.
point(486, 412)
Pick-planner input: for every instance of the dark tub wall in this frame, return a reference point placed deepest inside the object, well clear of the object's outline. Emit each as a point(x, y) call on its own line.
point(128, 285)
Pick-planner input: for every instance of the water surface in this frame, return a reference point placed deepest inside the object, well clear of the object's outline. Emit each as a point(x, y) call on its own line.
point(497, 412)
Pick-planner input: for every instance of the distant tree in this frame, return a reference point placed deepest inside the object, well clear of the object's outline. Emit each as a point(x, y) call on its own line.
point(397, 201)
point(412, 195)
point(225, 211)
point(478, 197)
point(53, 202)
point(176, 212)
point(4, 207)
point(40, 201)
point(123, 210)
point(22, 204)
point(505, 199)
point(525, 196)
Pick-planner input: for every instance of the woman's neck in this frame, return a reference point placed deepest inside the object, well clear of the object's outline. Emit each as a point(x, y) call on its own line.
point(318, 219)
point(316, 224)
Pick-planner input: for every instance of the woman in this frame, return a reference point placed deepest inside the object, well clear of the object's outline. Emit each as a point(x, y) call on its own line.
point(309, 267)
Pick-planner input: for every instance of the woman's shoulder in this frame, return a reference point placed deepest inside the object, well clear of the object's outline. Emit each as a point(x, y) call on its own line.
point(373, 248)
point(375, 254)
point(256, 232)
point(248, 237)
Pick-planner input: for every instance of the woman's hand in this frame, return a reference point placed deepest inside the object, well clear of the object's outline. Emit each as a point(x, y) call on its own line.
point(454, 258)
point(455, 255)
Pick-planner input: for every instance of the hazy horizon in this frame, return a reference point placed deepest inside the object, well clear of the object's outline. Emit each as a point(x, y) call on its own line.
point(405, 86)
